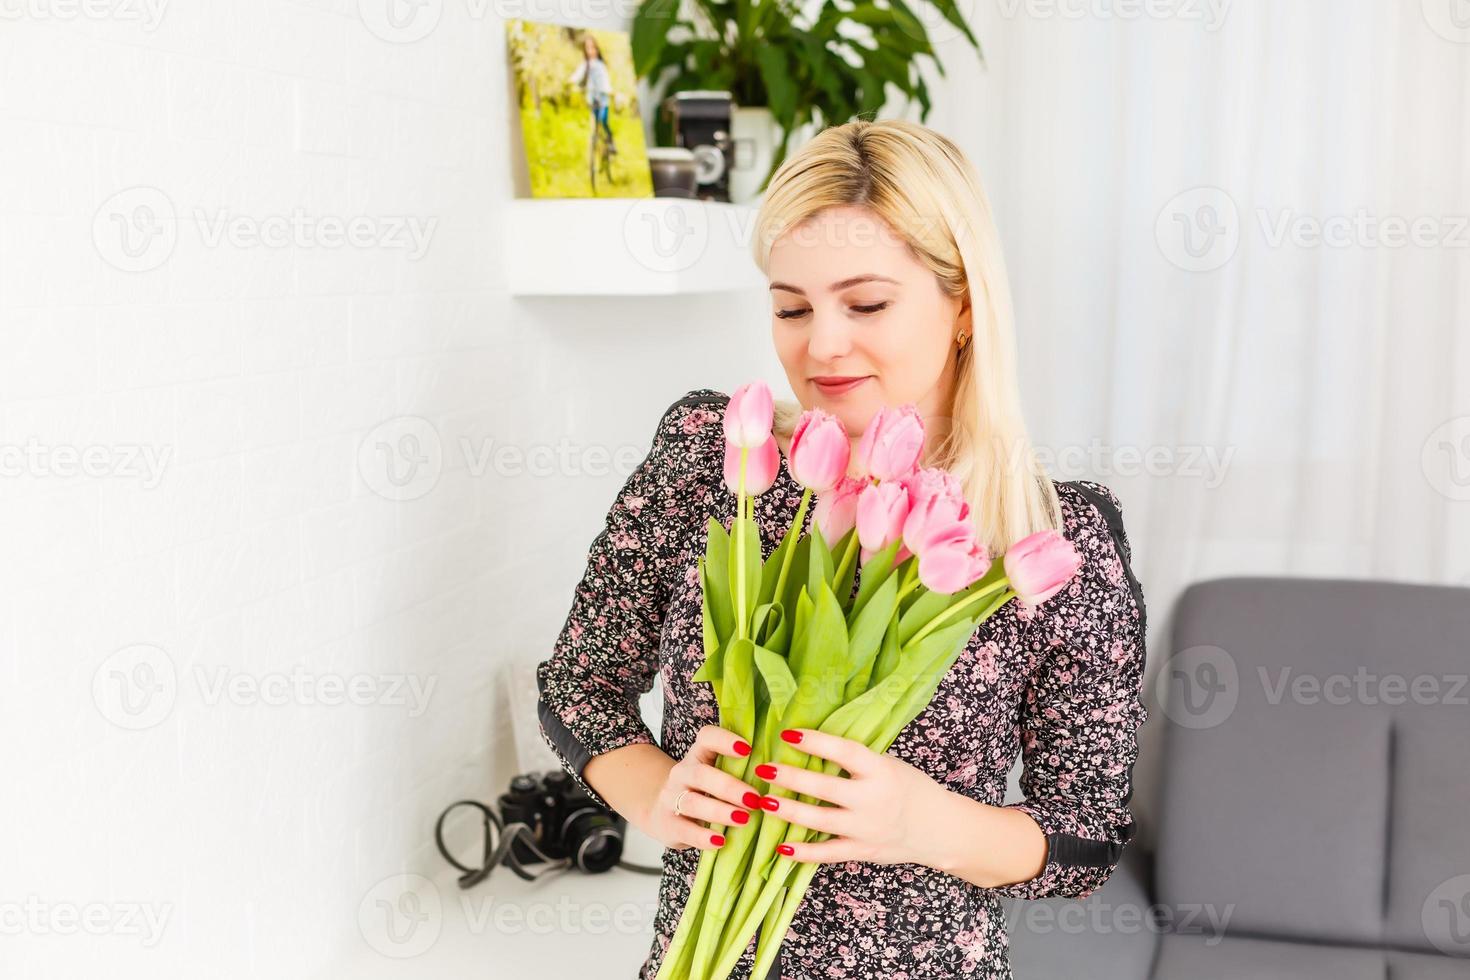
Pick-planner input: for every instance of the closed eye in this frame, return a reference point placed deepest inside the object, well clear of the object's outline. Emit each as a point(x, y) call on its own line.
point(798, 314)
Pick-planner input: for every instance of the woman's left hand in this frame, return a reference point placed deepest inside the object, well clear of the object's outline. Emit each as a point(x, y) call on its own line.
point(878, 812)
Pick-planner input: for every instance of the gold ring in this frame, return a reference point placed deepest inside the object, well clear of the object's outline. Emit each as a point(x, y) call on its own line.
point(678, 800)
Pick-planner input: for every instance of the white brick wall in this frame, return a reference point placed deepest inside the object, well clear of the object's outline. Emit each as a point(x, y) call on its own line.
point(234, 527)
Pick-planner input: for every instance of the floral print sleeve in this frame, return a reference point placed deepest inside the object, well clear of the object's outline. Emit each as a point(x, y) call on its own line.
point(1082, 707)
point(607, 653)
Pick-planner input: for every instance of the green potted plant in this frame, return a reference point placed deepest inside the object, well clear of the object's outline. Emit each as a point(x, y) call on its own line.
point(801, 69)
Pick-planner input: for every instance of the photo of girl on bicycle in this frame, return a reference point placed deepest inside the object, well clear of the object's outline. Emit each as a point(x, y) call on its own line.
point(579, 111)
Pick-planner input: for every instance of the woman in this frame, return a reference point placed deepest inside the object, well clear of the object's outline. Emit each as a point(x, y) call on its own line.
point(887, 287)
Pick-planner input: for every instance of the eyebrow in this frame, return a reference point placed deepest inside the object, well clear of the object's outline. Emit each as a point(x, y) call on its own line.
point(837, 286)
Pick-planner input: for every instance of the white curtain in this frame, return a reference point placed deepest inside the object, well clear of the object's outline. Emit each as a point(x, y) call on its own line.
point(1305, 402)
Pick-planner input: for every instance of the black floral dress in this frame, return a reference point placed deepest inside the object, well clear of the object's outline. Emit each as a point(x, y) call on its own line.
point(1061, 686)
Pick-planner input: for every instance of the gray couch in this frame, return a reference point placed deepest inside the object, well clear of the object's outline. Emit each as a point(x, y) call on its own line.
point(1314, 797)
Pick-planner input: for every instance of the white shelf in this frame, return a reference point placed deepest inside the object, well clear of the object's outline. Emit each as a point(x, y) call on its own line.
point(653, 246)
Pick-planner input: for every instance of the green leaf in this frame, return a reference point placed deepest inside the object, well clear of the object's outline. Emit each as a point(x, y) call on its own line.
point(889, 657)
point(771, 572)
point(651, 23)
point(868, 629)
point(797, 654)
point(935, 654)
point(767, 620)
point(717, 578)
point(776, 73)
point(737, 699)
point(823, 669)
point(819, 565)
point(876, 572)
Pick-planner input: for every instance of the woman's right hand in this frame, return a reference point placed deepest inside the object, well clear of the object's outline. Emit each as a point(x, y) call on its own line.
point(713, 794)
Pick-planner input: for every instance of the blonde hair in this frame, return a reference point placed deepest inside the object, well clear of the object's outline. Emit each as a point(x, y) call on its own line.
point(922, 186)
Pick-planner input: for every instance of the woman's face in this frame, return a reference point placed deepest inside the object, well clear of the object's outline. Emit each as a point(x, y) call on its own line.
point(850, 300)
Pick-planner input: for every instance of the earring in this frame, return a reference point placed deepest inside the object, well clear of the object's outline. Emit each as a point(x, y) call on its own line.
point(962, 340)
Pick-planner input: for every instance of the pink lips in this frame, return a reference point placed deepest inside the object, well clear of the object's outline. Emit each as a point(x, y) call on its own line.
point(837, 386)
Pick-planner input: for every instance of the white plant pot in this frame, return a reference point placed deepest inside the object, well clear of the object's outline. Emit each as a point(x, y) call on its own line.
point(754, 136)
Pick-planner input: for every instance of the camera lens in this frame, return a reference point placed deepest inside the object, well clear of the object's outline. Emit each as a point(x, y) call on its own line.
point(592, 839)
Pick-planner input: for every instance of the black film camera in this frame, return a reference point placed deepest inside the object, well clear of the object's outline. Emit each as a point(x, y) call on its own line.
point(544, 819)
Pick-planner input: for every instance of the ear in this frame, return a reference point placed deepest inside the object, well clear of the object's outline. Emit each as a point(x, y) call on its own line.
point(965, 320)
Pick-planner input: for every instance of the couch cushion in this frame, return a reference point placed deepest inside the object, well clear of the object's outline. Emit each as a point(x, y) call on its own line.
point(1429, 842)
point(1184, 957)
point(1307, 792)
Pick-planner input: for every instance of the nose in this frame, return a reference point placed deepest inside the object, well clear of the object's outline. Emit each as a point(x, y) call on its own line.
point(830, 338)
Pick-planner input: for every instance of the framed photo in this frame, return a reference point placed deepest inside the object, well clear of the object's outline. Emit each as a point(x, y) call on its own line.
point(580, 123)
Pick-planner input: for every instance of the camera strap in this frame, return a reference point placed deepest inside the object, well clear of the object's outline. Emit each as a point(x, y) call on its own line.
point(500, 838)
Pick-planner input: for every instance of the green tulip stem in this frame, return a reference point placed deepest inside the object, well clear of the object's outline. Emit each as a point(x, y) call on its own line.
point(806, 495)
point(740, 625)
point(847, 556)
point(959, 607)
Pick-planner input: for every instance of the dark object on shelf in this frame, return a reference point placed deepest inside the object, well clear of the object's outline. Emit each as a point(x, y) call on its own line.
point(675, 171)
point(701, 124)
point(544, 819)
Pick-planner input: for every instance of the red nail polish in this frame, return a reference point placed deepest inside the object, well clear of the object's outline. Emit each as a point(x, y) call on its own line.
point(791, 735)
point(742, 747)
point(717, 839)
point(785, 849)
point(765, 771)
point(739, 816)
point(752, 800)
point(770, 802)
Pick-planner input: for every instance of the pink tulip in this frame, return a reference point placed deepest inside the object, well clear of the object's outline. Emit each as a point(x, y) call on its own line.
point(953, 561)
point(891, 444)
point(749, 415)
point(820, 450)
point(935, 505)
point(881, 511)
point(761, 467)
point(836, 510)
point(1039, 565)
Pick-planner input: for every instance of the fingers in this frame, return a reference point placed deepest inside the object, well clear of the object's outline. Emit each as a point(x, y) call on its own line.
point(832, 850)
point(848, 753)
point(693, 834)
point(722, 814)
point(716, 782)
point(818, 785)
point(712, 740)
point(827, 819)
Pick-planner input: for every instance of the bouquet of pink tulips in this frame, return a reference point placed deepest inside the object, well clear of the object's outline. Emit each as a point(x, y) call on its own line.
point(789, 643)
